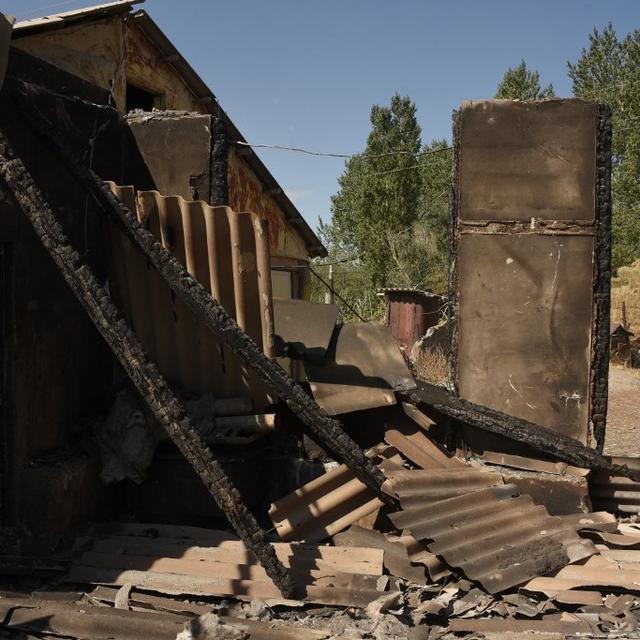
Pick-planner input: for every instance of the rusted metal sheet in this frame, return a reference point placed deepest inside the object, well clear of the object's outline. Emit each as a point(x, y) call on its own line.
point(410, 313)
point(228, 254)
point(616, 493)
point(364, 370)
point(330, 503)
point(530, 253)
point(496, 536)
point(303, 329)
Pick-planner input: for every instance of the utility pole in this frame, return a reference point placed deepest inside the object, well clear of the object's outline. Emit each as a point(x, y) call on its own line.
point(328, 296)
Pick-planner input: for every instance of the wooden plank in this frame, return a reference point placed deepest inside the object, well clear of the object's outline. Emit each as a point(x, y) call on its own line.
point(176, 584)
point(363, 560)
point(222, 570)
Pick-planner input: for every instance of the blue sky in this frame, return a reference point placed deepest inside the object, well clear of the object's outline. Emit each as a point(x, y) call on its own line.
point(305, 73)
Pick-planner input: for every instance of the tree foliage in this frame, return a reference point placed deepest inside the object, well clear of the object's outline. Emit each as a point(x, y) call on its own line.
point(389, 217)
point(519, 83)
point(608, 70)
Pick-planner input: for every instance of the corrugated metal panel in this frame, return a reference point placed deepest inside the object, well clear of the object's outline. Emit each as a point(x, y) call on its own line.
point(496, 536)
point(228, 253)
point(337, 499)
point(410, 313)
point(615, 493)
point(329, 503)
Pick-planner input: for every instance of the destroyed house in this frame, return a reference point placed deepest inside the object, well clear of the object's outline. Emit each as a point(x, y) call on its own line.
point(178, 161)
point(159, 469)
point(125, 60)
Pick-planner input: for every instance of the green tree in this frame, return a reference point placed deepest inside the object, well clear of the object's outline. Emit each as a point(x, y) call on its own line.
point(521, 84)
point(608, 71)
point(389, 218)
point(379, 191)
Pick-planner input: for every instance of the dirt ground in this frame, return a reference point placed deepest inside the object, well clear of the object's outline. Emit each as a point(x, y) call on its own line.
point(623, 420)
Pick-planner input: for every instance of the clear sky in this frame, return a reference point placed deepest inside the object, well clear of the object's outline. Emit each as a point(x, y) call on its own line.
point(305, 73)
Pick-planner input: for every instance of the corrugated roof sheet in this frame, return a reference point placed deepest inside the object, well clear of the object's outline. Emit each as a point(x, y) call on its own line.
point(616, 493)
point(228, 253)
point(330, 503)
point(496, 536)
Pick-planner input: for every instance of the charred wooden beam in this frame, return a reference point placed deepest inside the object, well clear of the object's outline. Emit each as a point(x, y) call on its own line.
point(328, 431)
point(164, 404)
point(536, 436)
point(219, 188)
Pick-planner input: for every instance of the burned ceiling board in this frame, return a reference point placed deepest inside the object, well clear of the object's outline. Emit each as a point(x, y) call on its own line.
point(365, 369)
point(529, 283)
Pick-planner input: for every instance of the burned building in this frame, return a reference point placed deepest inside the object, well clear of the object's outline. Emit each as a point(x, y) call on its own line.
point(84, 71)
point(125, 60)
point(140, 336)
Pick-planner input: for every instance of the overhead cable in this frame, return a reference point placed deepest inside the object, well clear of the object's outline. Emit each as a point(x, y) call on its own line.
point(280, 147)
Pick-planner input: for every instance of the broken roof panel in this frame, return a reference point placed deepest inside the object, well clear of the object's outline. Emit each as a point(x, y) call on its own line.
point(496, 536)
point(328, 504)
point(324, 575)
point(366, 369)
point(302, 328)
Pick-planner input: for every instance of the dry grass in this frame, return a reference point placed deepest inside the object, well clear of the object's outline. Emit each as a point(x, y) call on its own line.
point(432, 365)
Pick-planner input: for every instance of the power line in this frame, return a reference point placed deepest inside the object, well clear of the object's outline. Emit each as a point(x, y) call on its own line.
point(322, 154)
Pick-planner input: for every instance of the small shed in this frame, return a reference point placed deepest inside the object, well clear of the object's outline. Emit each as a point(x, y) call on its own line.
point(618, 336)
point(410, 312)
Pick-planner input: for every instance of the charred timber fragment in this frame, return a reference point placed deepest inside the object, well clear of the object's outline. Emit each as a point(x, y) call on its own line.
point(219, 192)
point(166, 407)
point(536, 436)
point(328, 431)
